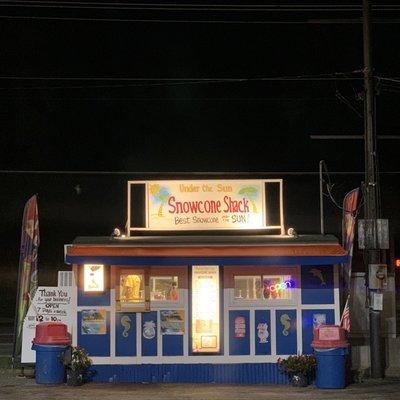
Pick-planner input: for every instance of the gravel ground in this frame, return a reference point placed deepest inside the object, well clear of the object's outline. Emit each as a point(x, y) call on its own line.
point(13, 387)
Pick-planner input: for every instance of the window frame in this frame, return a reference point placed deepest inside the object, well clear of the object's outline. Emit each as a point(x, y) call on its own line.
point(261, 271)
point(150, 272)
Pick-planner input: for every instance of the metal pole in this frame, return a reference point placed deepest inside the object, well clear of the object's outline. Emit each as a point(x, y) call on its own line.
point(321, 198)
point(371, 188)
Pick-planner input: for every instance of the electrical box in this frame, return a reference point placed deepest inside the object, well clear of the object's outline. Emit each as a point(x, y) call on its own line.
point(377, 276)
point(377, 301)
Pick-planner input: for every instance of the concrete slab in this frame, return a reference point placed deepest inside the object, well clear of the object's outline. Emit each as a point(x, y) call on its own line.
point(13, 387)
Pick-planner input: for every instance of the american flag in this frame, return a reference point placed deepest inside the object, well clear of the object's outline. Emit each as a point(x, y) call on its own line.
point(345, 320)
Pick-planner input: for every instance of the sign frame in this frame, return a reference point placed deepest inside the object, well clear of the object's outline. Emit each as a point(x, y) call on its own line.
point(130, 228)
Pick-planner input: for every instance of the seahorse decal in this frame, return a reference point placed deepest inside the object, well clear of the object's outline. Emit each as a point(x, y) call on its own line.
point(285, 321)
point(126, 323)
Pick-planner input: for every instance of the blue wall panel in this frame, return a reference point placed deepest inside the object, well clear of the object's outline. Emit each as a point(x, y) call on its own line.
point(311, 317)
point(286, 332)
point(172, 345)
point(148, 329)
point(93, 299)
point(317, 284)
point(95, 345)
point(125, 334)
point(246, 373)
point(239, 332)
point(262, 331)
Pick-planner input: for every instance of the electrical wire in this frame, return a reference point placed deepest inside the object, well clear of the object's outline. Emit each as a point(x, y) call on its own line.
point(154, 82)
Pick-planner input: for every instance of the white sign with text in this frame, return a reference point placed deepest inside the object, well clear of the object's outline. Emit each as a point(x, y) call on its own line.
point(50, 304)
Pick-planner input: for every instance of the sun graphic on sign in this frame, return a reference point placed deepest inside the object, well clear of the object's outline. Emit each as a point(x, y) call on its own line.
point(160, 196)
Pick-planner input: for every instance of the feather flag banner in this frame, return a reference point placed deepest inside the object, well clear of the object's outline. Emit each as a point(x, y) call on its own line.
point(27, 275)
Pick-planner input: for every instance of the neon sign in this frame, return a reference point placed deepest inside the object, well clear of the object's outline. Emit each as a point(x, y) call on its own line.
point(289, 284)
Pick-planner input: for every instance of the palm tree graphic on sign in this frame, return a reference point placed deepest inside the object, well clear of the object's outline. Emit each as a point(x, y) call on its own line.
point(251, 193)
point(160, 196)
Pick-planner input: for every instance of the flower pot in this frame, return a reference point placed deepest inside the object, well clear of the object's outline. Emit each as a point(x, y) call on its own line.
point(299, 380)
point(74, 377)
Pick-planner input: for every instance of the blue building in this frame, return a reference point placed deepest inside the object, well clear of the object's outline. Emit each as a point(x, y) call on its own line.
point(202, 305)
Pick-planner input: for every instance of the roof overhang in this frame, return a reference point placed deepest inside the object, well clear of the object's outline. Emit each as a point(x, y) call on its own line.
point(222, 250)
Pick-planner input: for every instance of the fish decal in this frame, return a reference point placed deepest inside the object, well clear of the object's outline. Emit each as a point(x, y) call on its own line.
point(318, 274)
point(285, 321)
point(126, 323)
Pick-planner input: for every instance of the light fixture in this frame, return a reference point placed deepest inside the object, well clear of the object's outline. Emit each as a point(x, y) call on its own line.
point(292, 232)
point(116, 232)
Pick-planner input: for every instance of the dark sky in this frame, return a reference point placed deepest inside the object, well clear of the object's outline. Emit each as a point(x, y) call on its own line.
point(254, 125)
point(108, 96)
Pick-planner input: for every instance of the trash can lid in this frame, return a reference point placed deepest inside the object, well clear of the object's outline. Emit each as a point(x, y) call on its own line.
point(329, 344)
point(51, 333)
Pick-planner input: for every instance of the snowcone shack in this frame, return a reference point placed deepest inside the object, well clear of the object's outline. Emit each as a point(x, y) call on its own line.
point(204, 286)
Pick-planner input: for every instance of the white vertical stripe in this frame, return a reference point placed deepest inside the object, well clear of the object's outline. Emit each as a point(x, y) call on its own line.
point(112, 324)
point(139, 328)
point(336, 293)
point(252, 332)
point(273, 332)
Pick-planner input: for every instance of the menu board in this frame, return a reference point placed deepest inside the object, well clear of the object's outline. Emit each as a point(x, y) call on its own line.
point(205, 309)
point(50, 304)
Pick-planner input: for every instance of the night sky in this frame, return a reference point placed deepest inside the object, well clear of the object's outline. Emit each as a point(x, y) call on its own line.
point(126, 106)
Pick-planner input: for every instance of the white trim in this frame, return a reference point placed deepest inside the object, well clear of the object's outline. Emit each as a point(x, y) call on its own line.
point(299, 330)
point(336, 293)
point(272, 333)
point(252, 332)
point(112, 325)
point(139, 330)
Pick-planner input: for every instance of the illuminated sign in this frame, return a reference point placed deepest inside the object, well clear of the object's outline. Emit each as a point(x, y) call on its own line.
point(206, 205)
point(205, 309)
point(93, 278)
point(281, 286)
point(397, 262)
point(191, 205)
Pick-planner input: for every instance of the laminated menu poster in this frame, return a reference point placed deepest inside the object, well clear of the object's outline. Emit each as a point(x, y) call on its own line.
point(93, 322)
point(172, 322)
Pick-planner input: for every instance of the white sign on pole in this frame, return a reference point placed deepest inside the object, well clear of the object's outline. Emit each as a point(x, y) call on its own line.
point(50, 304)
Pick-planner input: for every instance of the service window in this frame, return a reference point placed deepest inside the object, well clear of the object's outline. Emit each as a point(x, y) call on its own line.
point(248, 287)
point(131, 290)
point(164, 288)
point(266, 286)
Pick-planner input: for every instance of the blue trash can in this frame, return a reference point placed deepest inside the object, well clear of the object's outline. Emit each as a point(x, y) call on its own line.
point(331, 368)
point(49, 363)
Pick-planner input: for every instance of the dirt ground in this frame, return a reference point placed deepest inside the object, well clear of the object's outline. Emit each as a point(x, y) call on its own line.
point(13, 387)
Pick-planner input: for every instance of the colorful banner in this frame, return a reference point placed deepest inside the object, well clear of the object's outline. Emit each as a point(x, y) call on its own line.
point(27, 276)
point(210, 204)
point(350, 203)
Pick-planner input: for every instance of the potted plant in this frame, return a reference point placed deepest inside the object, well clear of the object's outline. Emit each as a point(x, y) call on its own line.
point(77, 364)
point(300, 368)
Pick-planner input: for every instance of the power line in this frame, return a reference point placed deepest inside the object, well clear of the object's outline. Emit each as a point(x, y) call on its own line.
point(149, 82)
point(196, 6)
point(175, 174)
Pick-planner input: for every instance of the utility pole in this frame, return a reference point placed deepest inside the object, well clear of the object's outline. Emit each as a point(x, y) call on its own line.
point(371, 208)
